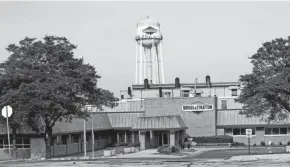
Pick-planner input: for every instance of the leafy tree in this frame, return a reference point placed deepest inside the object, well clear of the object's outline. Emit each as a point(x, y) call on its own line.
point(266, 90)
point(44, 83)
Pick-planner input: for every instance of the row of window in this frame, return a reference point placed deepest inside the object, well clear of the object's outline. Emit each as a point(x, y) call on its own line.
point(268, 131)
point(185, 93)
point(128, 135)
point(75, 138)
point(239, 131)
point(20, 143)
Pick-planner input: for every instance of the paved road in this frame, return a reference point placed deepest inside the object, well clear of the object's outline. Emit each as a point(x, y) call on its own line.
point(149, 163)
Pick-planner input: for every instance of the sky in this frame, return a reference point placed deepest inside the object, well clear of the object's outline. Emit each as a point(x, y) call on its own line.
point(199, 38)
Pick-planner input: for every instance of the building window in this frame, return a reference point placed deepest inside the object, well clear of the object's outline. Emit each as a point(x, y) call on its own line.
point(275, 131)
point(236, 131)
point(20, 143)
point(229, 130)
point(121, 137)
point(197, 94)
point(64, 139)
point(234, 92)
point(224, 104)
point(167, 94)
point(129, 137)
point(136, 137)
point(75, 138)
point(242, 131)
point(186, 93)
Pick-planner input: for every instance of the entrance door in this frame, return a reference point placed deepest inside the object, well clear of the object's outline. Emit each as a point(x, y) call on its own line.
point(163, 138)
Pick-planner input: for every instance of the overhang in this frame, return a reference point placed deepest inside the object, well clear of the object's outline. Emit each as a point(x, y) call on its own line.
point(170, 122)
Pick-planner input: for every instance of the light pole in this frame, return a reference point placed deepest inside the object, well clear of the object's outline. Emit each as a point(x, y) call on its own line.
point(85, 140)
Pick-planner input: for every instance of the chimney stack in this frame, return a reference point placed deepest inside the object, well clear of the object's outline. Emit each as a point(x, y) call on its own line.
point(177, 82)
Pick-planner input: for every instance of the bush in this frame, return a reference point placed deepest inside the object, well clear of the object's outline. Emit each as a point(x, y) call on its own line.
point(168, 150)
point(254, 145)
point(213, 139)
point(288, 143)
point(263, 143)
point(238, 144)
point(280, 143)
point(121, 144)
point(175, 149)
point(165, 150)
point(134, 145)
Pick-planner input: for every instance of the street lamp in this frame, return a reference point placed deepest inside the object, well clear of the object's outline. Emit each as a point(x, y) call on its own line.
point(90, 109)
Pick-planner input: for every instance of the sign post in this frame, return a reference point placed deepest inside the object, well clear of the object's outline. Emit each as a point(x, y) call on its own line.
point(249, 136)
point(7, 112)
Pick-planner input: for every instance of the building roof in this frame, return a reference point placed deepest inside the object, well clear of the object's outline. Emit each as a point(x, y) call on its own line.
point(169, 122)
point(124, 120)
point(101, 122)
point(136, 105)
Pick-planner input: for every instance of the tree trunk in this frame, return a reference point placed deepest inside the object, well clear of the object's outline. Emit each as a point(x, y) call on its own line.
point(14, 149)
point(48, 136)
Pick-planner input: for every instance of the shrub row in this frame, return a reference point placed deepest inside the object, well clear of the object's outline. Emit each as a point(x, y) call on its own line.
point(126, 144)
point(168, 149)
point(213, 139)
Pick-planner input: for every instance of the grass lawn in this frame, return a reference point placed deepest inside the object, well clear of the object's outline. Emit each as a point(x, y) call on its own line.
point(226, 154)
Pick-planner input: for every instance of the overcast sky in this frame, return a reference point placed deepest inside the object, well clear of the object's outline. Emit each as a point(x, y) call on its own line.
point(200, 38)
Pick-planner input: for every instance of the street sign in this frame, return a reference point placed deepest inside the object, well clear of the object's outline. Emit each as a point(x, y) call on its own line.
point(8, 112)
point(249, 133)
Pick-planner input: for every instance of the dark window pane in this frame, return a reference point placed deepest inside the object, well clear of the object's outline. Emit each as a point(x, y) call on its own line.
point(243, 131)
point(129, 137)
point(234, 92)
point(19, 146)
point(253, 131)
point(75, 138)
point(88, 137)
point(136, 139)
point(121, 137)
point(26, 140)
point(224, 104)
point(237, 131)
point(18, 141)
point(268, 131)
point(26, 146)
point(64, 139)
point(229, 130)
point(275, 131)
point(185, 93)
point(6, 141)
point(283, 130)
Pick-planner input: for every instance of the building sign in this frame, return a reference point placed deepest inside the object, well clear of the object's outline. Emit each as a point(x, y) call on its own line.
point(197, 107)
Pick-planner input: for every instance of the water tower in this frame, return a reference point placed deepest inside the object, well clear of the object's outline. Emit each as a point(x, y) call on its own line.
point(149, 64)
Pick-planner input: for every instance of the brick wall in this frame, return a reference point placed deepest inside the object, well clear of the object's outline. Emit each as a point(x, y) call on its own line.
point(202, 124)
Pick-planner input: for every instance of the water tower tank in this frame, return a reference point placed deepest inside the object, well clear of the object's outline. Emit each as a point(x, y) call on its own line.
point(148, 30)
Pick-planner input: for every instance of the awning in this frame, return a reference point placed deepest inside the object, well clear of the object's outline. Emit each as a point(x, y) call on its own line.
point(170, 122)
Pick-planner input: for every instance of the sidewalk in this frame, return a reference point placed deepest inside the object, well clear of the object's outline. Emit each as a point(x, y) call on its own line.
point(277, 157)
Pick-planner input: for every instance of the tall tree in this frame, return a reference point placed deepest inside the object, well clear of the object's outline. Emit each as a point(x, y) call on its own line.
point(44, 84)
point(266, 90)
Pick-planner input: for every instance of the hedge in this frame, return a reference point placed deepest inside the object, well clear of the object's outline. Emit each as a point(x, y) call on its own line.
point(213, 139)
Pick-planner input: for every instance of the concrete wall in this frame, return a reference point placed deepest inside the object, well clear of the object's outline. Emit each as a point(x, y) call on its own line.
point(73, 148)
point(202, 124)
point(38, 149)
point(22, 153)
